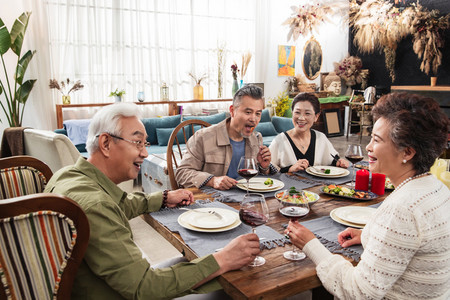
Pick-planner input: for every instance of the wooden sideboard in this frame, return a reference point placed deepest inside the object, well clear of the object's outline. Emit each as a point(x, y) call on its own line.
point(440, 93)
point(173, 106)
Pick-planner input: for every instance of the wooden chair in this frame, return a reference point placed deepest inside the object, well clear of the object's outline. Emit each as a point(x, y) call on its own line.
point(179, 136)
point(22, 175)
point(43, 238)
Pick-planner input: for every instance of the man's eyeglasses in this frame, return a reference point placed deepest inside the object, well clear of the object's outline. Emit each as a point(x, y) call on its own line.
point(139, 144)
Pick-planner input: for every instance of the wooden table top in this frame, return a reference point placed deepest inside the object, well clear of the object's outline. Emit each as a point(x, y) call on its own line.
point(278, 278)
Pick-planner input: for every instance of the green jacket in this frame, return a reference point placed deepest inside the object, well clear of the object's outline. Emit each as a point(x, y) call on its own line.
point(113, 267)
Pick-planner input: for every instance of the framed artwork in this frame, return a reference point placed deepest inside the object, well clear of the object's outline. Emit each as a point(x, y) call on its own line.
point(332, 122)
point(312, 59)
point(286, 60)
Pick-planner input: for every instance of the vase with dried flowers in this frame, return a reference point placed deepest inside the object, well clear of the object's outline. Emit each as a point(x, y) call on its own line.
point(246, 58)
point(65, 89)
point(198, 89)
point(349, 70)
point(221, 60)
point(234, 72)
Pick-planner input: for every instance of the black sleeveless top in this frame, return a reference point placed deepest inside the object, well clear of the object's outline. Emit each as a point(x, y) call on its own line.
point(309, 154)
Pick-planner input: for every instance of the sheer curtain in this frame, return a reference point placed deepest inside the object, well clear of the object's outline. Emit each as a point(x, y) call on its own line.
point(137, 45)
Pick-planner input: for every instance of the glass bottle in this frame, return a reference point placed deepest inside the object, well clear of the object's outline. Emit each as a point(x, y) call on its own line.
point(164, 92)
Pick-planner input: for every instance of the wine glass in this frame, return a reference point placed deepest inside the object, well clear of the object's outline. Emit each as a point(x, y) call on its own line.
point(254, 212)
point(294, 206)
point(141, 96)
point(247, 168)
point(354, 155)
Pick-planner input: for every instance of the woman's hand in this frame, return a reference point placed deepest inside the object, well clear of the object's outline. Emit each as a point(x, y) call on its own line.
point(343, 163)
point(298, 234)
point(349, 237)
point(300, 165)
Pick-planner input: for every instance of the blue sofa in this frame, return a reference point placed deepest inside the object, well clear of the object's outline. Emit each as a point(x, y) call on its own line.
point(159, 129)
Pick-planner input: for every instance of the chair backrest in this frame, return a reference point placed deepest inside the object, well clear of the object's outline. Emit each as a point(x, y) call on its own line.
point(22, 175)
point(186, 129)
point(55, 149)
point(43, 238)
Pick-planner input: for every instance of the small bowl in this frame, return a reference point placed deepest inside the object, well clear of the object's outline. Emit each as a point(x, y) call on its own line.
point(279, 194)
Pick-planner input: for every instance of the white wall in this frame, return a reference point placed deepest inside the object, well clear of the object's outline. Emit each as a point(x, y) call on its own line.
point(333, 39)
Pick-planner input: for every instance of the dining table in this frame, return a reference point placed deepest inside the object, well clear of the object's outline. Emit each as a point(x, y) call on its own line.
point(278, 278)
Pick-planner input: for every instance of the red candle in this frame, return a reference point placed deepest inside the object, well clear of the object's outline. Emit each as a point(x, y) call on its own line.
point(378, 183)
point(362, 180)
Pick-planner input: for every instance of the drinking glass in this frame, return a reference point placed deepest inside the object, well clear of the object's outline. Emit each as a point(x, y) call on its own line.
point(254, 212)
point(141, 96)
point(445, 175)
point(247, 168)
point(294, 211)
point(354, 155)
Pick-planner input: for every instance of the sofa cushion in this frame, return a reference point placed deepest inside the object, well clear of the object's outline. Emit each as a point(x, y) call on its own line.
point(212, 119)
point(163, 135)
point(265, 116)
point(282, 124)
point(266, 129)
point(165, 122)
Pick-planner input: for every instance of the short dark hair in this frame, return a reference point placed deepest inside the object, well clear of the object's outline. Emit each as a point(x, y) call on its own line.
point(416, 122)
point(247, 90)
point(311, 98)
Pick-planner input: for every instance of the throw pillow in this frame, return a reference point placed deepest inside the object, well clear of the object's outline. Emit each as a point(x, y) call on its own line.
point(282, 124)
point(212, 119)
point(151, 124)
point(266, 129)
point(265, 116)
point(163, 135)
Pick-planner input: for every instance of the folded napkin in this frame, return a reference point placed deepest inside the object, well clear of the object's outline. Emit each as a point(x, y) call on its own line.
point(236, 194)
point(326, 230)
point(204, 243)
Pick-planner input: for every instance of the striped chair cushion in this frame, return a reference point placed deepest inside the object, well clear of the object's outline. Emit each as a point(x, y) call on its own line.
point(21, 181)
point(34, 249)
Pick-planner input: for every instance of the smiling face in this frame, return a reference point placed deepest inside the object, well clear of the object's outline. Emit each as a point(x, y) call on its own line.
point(303, 116)
point(125, 155)
point(384, 157)
point(245, 117)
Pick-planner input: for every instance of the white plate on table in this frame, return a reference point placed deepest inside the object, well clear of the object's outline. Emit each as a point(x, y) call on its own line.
point(206, 223)
point(355, 214)
point(257, 185)
point(335, 172)
point(343, 222)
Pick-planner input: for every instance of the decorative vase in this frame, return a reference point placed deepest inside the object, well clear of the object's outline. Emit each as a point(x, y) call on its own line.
point(433, 81)
point(198, 92)
point(235, 87)
point(242, 83)
point(117, 98)
point(66, 99)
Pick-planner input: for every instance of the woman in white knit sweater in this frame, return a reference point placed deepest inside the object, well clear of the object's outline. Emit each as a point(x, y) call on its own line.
point(407, 241)
point(296, 149)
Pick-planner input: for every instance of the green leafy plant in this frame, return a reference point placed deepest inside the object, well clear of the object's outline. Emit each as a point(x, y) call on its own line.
point(282, 102)
point(117, 93)
point(16, 96)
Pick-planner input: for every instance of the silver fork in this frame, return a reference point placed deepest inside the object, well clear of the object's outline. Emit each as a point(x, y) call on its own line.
point(317, 170)
point(211, 212)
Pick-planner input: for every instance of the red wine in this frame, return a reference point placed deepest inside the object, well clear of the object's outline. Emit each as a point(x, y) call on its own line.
point(252, 218)
point(354, 158)
point(248, 173)
point(294, 212)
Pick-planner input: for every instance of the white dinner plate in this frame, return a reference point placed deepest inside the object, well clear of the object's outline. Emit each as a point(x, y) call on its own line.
point(335, 172)
point(355, 214)
point(340, 221)
point(199, 218)
point(257, 185)
point(184, 218)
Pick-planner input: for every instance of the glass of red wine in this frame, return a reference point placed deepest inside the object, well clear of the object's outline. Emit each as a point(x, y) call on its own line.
point(247, 168)
point(294, 206)
point(254, 212)
point(354, 155)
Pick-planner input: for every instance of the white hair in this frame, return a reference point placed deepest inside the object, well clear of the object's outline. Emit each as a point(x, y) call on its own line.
point(107, 120)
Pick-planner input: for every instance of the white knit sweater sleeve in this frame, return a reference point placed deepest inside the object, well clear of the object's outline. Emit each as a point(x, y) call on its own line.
point(406, 252)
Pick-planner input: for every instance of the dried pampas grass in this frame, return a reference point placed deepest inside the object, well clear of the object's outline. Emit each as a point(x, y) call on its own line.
point(246, 58)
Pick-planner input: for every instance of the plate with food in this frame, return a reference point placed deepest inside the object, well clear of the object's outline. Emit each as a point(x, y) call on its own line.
point(295, 196)
point(388, 185)
point(261, 184)
point(327, 171)
point(345, 192)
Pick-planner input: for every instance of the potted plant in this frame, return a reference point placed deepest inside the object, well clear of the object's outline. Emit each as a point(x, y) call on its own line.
point(16, 94)
point(117, 95)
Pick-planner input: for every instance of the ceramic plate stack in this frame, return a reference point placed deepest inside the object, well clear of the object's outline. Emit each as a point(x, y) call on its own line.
point(200, 220)
point(257, 185)
point(335, 172)
point(354, 216)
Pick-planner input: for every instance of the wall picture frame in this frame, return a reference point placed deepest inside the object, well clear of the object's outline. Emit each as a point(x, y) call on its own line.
point(332, 122)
